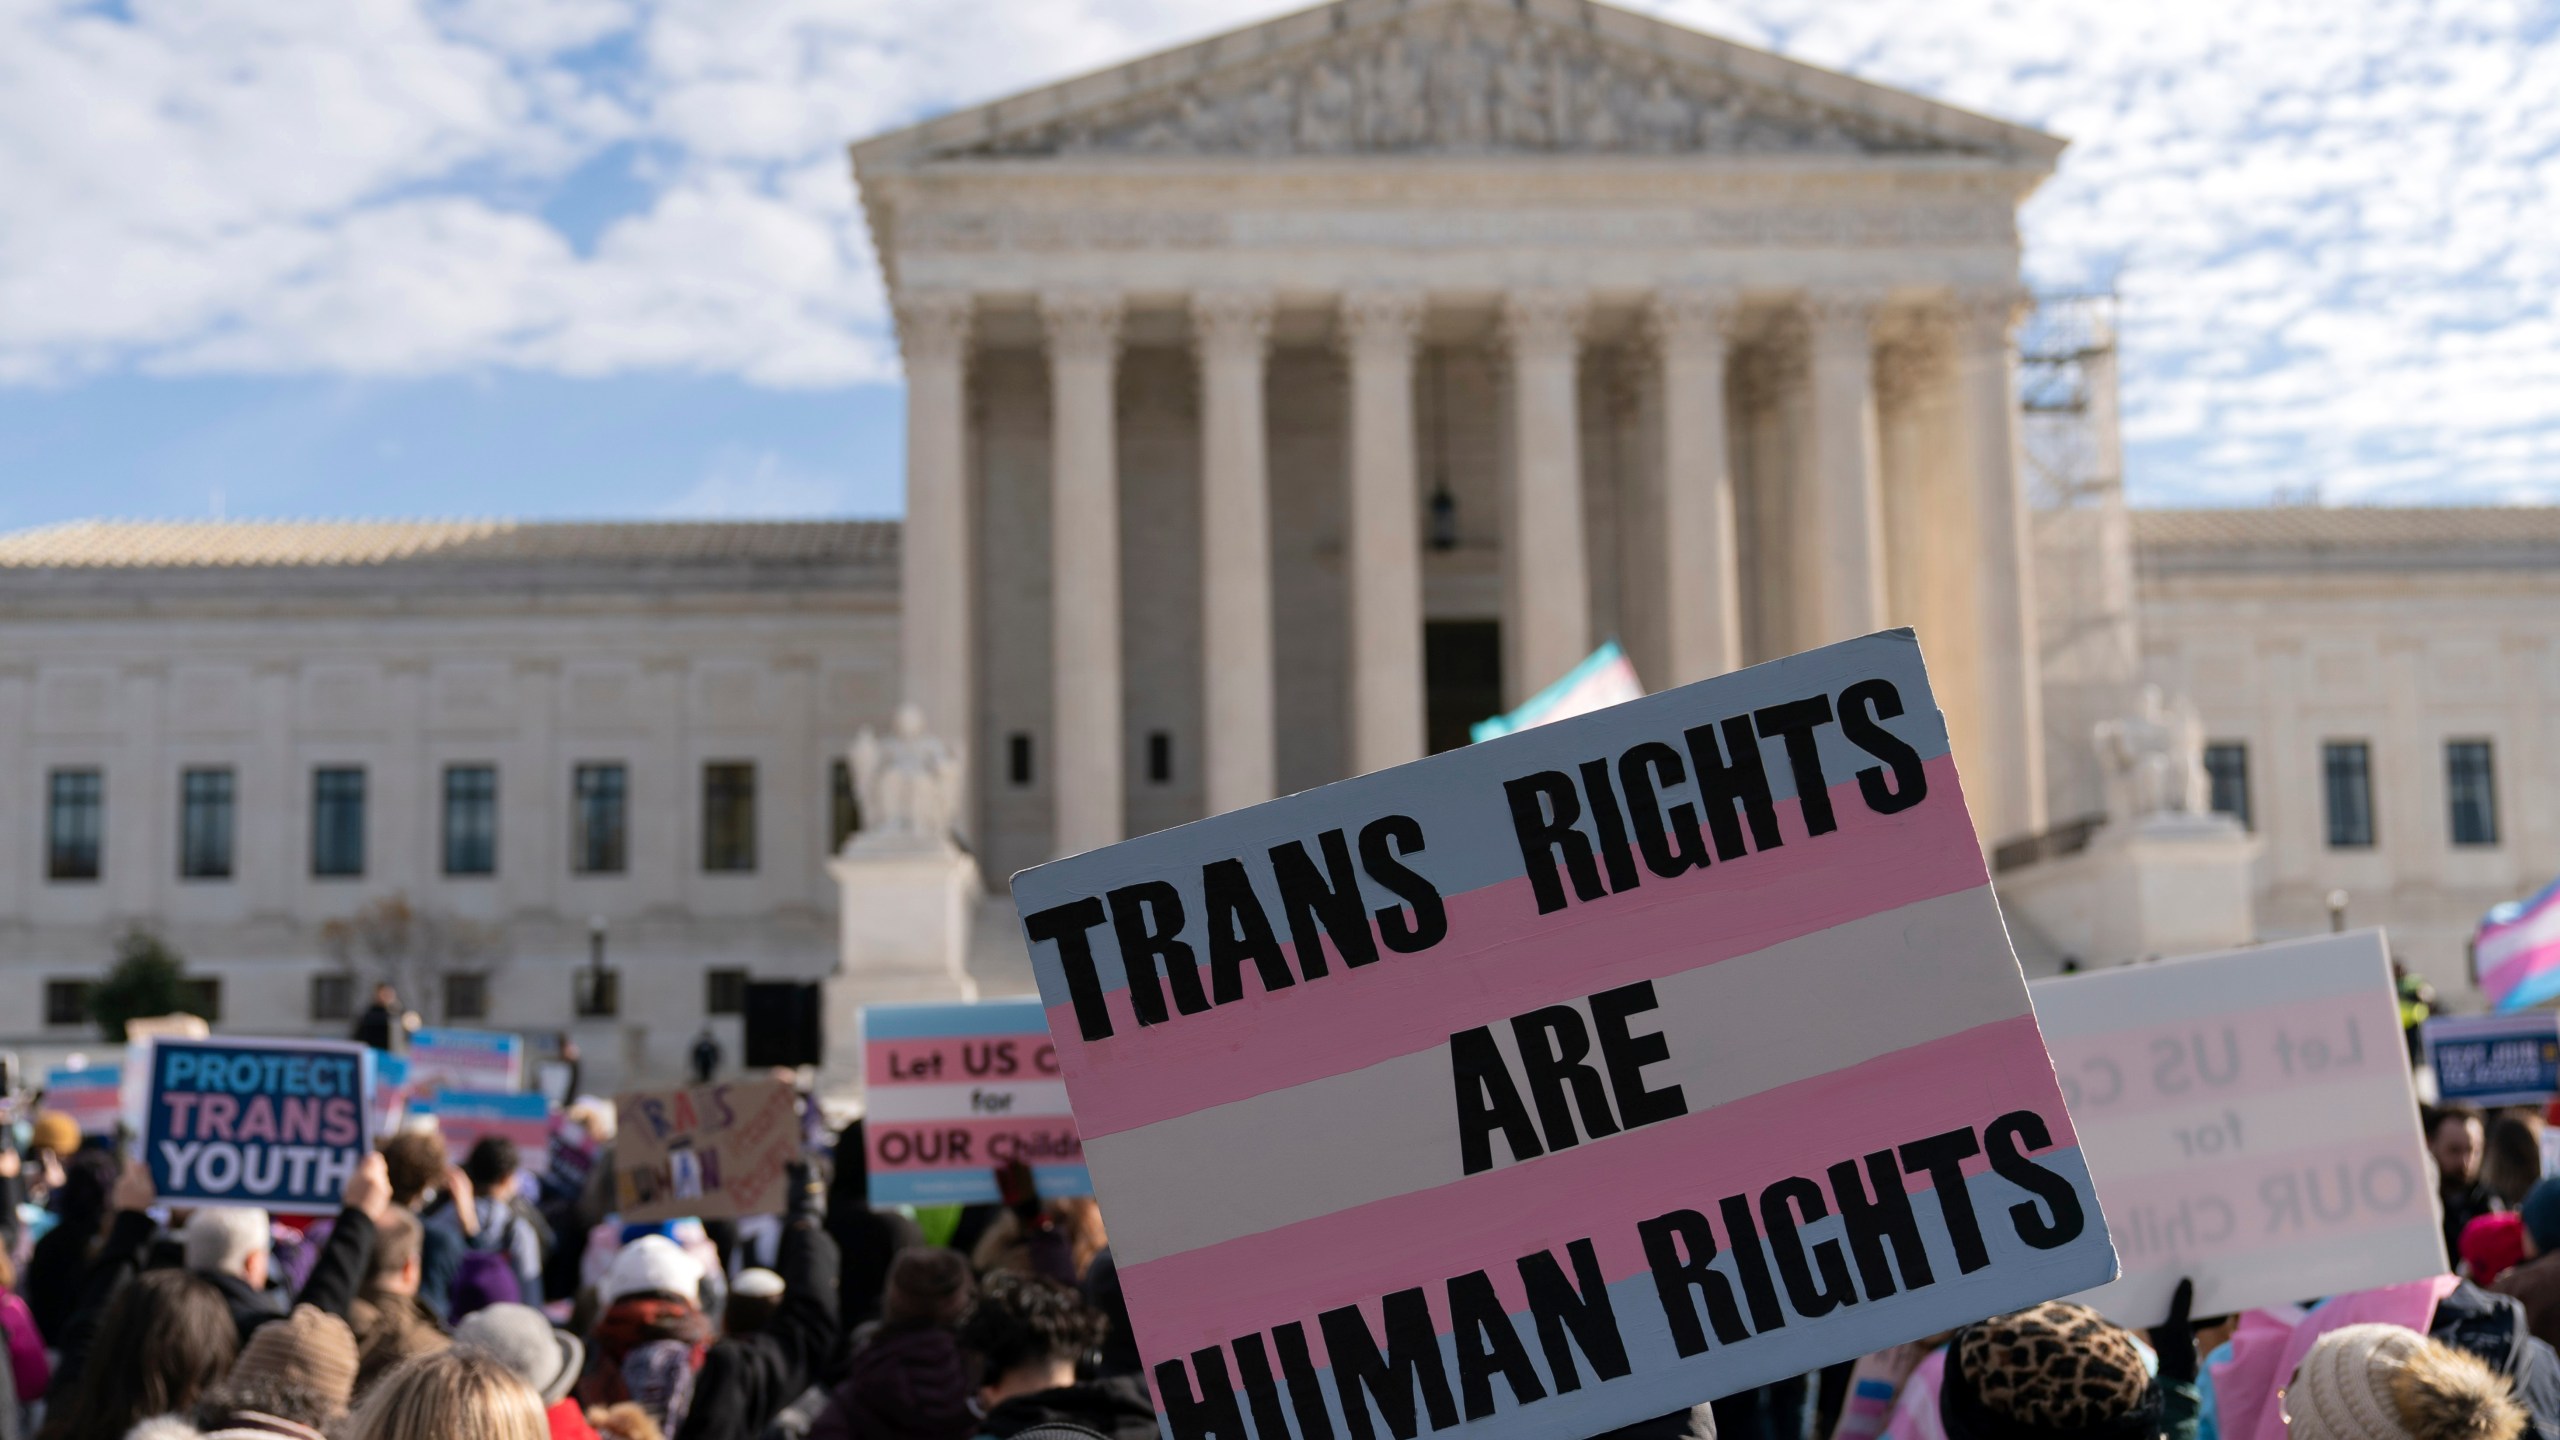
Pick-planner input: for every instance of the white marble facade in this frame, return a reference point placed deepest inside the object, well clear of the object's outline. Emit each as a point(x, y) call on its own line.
point(1709, 349)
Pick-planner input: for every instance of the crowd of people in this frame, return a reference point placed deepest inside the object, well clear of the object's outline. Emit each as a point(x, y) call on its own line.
point(502, 1297)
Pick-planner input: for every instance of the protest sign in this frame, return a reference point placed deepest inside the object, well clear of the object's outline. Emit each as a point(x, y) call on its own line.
point(1568, 1079)
point(481, 1061)
point(462, 1117)
point(276, 1123)
point(90, 1096)
point(950, 1091)
point(717, 1151)
point(2250, 1121)
point(2494, 1059)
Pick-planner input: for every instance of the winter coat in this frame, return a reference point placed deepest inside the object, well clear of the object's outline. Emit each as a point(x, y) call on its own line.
point(2497, 1328)
point(28, 1368)
point(2536, 1282)
point(51, 1281)
point(569, 1422)
point(1116, 1409)
point(909, 1383)
point(637, 1323)
point(391, 1327)
point(748, 1379)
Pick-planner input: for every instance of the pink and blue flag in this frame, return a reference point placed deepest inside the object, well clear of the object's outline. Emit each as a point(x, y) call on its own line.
point(2517, 951)
point(1604, 678)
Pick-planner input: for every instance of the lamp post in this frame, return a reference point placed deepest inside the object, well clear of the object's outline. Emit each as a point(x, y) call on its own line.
point(595, 964)
point(2337, 911)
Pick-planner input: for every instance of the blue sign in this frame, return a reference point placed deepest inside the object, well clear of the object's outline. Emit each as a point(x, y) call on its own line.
point(275, 1123)
point(2495, 1059)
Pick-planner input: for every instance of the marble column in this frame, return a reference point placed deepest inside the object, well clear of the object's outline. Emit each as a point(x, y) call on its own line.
point(1547, 620)
point(1083, 330)
point(1231, 330)
point(1844, 509)
point(1384, 547)
point(1702, 587)
point(937, 577)
point(2011, 699)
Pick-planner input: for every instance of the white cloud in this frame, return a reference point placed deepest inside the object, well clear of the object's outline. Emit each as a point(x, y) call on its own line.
point(758, 485)
point(2329, 223)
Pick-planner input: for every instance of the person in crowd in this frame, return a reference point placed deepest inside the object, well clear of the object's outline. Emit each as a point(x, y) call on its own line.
point(228, 1246)
point(415, 1161)
point(454, 1394)
point(484, 1208)
point(754, 1297)
point(2455, 1139)
point(30, 1371)
point(56, 1134)
point(1058, 1239)
point(910, 1381)
point(625, 1421)
point(2511, 1161)
point(293, 1379)
point(544, 1357)
point(868, 1240)
point(391, 1324)
point(749, 1377)
point(174, 1340)
point(706, 1056)
point(2492, 1245)
point(1027, 1333)
point(2536, 1280)
point(62, 1257)
point(2385, 1382)
point(652, 1334)
point(1101, 1284)
point(2062, 1372)
point(379, 1026)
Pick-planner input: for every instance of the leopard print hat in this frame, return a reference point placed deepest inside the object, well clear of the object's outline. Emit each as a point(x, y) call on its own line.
point(2055, 1370)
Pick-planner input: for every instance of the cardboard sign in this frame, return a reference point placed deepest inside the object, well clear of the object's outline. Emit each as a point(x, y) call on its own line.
point(275, 1123)
point(90, 1096)
point(2251, 1124)
point(2494, 1059)
point(952, 1091)
point(484, 1062)
point(1569, 1079)
point(717, 1151)
point(390, 1091)
point(462, 1118)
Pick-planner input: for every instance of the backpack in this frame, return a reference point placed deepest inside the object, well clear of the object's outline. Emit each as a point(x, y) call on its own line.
point(489, 1276)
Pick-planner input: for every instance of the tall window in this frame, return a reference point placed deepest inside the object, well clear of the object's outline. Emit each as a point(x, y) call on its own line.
point(2471, 791)
point(204, 824)
point(470, 820)
point(201, 996)
point(844, 809)
point(337, 822)
point(729, 815)
point(74, 824)
point(600, 793)
point(724, 992)
point(466, 995)
point(2226, 771)
point(2346, 769)
point(66, 1002)
point(333, 996)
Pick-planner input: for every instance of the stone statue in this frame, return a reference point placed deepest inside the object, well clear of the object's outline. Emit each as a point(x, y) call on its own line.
point(2154, 760)
point(1520, 96)
point(1328, 109)
point(906, 785)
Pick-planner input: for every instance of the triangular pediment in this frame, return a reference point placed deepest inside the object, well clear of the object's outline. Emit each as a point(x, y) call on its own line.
point(1459, 77)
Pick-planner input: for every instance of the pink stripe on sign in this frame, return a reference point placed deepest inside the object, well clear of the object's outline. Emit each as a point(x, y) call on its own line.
point(914, 1145)
point(1499, 960)
point(960, 1060)
point(1598, 1190)
point(2310, 1197)
point(2210, 1057)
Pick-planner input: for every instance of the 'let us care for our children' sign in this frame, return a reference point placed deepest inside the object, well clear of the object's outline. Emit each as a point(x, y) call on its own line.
point(1568, 1079)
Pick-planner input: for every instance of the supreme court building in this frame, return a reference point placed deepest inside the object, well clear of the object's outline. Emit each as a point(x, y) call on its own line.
point(1281, 403)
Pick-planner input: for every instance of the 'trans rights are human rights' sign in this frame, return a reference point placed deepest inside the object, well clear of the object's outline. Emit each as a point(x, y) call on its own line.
point(1568, 1079)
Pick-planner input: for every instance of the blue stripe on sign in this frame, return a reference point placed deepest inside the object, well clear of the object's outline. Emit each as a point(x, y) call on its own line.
point(968, 1187)
point(1662, 1382)
point(937, 1020)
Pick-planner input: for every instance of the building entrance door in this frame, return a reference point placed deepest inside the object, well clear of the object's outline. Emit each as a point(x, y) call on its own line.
point(1462, 678)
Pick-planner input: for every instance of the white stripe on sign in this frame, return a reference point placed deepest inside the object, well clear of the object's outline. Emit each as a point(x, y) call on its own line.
point(2212, 1132)
point(896, 1104)
point(1860, 990)
point(2540, 930)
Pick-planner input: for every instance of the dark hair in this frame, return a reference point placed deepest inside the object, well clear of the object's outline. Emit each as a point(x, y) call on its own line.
point(88, 1178)
point(396, 1241)
point(1024, 1320)
point(165, 1340)
point(2437, 1117)
point(927, 1286)
point(2511, 1161)
point(492, 1159)
point(416, 1162)
point(748, 1314)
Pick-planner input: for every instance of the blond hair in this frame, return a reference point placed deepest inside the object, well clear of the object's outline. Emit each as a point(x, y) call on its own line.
point(451, 1395)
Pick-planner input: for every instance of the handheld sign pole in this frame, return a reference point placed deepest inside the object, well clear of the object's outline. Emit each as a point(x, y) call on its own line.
point(1568, 1079)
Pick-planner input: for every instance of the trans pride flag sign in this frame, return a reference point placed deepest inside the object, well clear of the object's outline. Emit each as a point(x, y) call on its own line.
point(1605, 677)
point(2517, 951)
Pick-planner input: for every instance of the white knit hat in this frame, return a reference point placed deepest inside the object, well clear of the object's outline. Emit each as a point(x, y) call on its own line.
point(2342, 1391)
point(652, 1264)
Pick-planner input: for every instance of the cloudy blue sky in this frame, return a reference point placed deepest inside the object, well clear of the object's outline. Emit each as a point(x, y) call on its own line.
point(602, 257)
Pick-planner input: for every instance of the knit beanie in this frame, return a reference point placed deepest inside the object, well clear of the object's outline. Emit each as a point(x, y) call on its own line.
point(2058, 1370)
point(2383, 1382)
point(2541, 1211)
point(2491, 1246)
point(55, 1131)
point(309, 1349)
point(652, 1264)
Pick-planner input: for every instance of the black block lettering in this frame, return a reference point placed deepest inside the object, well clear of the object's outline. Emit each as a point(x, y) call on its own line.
point(1361, 1374)
point(1306, 1388)
point(1943, 1156)
point(1814, 1296)
point(1488, 1101)
point(1261, 1391)
point(1212, 1412)
point(1239, 931)
point(1328, 901)
point(1487, 1346)
point(2010, 1139)
point(1381, 841)
point(1615, 856)
point(1147, 918)
point(1627, 1055)
point(1665, 1238)
point(1751, 1262)
point(1871, 1221)
point(1568, 1317)
point(1725, 783)
point(1679, 847)
point(1553, 1048)
point(1862, 706)
point(1543, 809)
point(1068, 926)
point(1796, 721)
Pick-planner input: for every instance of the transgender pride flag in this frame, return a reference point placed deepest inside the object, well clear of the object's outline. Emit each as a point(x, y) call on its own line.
point(1604, 678)
point(2517, 951)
